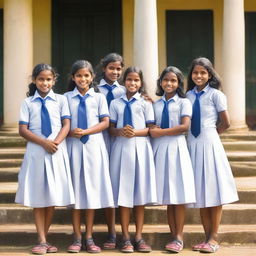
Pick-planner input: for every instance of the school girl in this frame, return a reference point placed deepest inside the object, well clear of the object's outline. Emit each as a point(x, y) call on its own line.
point(89, 158)
point(131, 159)
point(174, 173)
point(214, 182)
point(44, 177)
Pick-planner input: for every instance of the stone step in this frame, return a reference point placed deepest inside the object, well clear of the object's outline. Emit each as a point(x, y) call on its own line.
point(10, 163)
point(225, 250)
point(9, 174)
point(232, 214)
point(12, 153)
point(243, 168)
point(156, 235)
point(239, 145)
point(241, 156)
point(245, 185)
point(12, 141)
point(239, 136)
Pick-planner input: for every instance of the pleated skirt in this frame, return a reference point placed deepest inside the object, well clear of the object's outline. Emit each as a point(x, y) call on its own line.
point(132, 172)
point(214, 181)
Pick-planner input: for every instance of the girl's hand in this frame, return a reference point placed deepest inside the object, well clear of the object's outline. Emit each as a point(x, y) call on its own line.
point(50, 146)
point(147, 98)
point(155, 131)
point(127, 131)
point(77, 133)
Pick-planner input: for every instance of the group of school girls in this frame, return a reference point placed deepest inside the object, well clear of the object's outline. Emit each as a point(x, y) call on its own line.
point(106, 145)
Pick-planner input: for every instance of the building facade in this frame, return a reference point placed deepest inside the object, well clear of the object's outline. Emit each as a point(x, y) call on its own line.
point(148, 33)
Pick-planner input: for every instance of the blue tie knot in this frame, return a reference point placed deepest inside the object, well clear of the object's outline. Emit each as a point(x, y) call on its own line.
point(110, 95)
point(199, 94)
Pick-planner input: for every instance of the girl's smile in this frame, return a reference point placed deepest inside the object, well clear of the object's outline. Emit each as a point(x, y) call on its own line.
point(113, 72)
point(170, 84)
point(83, 78)
point(132, 83)
point(44, 82)
point(200, 76)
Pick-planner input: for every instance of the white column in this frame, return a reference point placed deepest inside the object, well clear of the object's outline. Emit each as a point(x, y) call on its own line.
point(234, 61)
point(18, 56)
point(145, 42)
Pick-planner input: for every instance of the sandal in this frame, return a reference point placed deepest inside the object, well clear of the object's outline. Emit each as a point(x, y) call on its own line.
point(141, 246)
point(75, 247)
point(209, 248)
point(174, 246)
point(91, 247)
point(51, 248)
point(40, 249)
point(110, 244)
point(197, 247)
point(127, 247)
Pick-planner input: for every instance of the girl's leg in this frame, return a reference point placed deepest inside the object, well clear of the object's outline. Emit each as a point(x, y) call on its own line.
point(179, 215)
point(48, 219)
point(205, 214)
point(216, 213)
point(139, 221)
point(39, 215)
point(171, 220)
point(76, 221)
point(89, 219)
point(110, 219)
point(125, 220)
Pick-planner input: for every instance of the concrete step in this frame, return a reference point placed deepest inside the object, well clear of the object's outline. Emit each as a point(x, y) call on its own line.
point(10, 163)
point(243, 168)
point(12, 141)
point(245, 185)
point(248, 156)
point(239, 136)
point(12, 153)
point(232, 214)
point(9, 174)
point(239, 145)
point(156, 235)
point(225, 250)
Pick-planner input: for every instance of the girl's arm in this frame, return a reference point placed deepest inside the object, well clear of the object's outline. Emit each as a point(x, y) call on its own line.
point(224, 123)
point(116, 132)
point(49, 145)
point(63, 132)
point(102, 125)
point(127, 131)
point(156, 131)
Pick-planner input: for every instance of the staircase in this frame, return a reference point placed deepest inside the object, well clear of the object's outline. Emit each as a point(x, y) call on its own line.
point(238, 222)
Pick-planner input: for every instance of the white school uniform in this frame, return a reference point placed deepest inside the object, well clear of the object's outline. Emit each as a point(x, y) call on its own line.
point(174, 172)
point(89, 162)
point(214, 181)
point(118, 91)
point(44, 178)
point(132, 167)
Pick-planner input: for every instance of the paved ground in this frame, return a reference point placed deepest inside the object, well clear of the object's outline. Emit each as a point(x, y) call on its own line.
point(243, 250)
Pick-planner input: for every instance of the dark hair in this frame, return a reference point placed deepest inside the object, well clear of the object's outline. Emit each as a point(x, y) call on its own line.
point(137, 70)
point(178, 73)
point(36, 71)
point(79, 64)
point(214, 81)
point(111, 57)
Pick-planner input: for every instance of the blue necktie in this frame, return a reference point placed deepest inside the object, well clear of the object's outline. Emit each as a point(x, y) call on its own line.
point(196, 116)
point(82, 117)
point(128, 113)
point(110, 95)
point(46, 127)
point(165, 115)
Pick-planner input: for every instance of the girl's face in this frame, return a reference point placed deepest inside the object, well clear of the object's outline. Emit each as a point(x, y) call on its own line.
point(132, 83)
point(44, 82)
point(83, 78)
point(200, 76)
point(113, 72)
point(170, 84)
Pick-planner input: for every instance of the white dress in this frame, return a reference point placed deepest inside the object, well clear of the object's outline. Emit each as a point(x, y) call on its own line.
point(89, 162)
point(44, 178)
point(118, 91)
point(132, 167)
point(214, 180)
point(174, 172)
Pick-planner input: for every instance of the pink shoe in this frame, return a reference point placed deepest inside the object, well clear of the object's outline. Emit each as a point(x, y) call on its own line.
point(75, 247)
point(110, 244)
point(197, 247)
point(51, 248)
point(209, 248)
point(91, 247)
point(174, 246)
point(40, 249)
